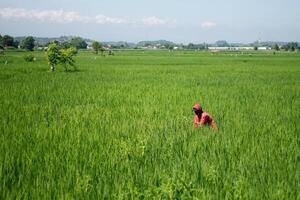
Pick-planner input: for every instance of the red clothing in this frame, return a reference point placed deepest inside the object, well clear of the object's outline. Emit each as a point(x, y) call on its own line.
point(204, 119)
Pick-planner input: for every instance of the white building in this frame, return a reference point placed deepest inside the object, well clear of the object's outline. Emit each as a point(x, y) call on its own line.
point(237, 48)
point(263, 48)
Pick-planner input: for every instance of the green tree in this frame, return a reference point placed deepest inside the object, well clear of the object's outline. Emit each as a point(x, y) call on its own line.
point(102, 50)
point(78, 43)
point(1, 42)
point(16, 44)
point(291, 46)
point(53, 56)
point(169, 46)
point(8, 41)
point(255, 48)
point(66, 57)
point(190, 46)
point(28, 43)
point(96, 46)
point(65, 45)
point(285, 47)
point(56, 42)
point(276, 47)
point(222, 43)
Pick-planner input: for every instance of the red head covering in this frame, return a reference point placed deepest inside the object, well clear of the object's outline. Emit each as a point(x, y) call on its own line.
point(197, 106)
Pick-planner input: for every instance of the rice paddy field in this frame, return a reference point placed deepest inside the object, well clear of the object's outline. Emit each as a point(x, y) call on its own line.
point(121, 126)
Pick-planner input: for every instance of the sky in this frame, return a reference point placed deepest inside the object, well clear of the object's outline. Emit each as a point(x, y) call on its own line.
point(180, 21)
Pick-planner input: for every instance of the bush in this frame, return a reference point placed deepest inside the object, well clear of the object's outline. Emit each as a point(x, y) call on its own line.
point(66, 57)
point(61, 56)
point(29, 57)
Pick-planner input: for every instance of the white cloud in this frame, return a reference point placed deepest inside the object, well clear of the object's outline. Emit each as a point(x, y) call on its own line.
point(153, 21)
point(57, 16)
point(61, 16)
point(101, 19)
point(208, 24)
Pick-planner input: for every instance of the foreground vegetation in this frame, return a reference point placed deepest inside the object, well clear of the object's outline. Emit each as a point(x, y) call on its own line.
point(120, 126)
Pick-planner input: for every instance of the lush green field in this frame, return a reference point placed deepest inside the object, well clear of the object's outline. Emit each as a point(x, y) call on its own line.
point(121, 127)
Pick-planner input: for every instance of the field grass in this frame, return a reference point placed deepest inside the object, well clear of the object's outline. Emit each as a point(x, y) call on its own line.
point(121, 126)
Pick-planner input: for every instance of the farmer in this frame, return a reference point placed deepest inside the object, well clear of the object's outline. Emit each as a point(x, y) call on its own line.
point(203, 118)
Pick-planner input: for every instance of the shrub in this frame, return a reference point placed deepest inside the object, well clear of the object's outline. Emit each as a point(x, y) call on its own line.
point(61, 56)
point(53, 56)
point(66, 57)
point(29, 57)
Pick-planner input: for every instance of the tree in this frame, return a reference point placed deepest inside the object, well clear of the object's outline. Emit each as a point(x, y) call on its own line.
point(292, 46)
point(62, 56)
point(169, 46)
point(16, 44)
point(222, 43)
point(8, 41)
point(66, 57)
point(190, 46)
point(96, 46)
point(102, 50)
point(276, 47)
point(55, 42)
point(28, 43)
point(195, 46)
point(1, 42)
point(285, 47)
point(255, 48)
point(53, 56)
point(78, 43)
point(65, 45)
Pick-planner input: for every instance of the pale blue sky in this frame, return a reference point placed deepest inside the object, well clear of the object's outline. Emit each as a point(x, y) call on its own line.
point(135, 20)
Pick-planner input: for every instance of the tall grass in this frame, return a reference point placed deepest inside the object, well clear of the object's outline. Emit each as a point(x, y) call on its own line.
point(121, 127)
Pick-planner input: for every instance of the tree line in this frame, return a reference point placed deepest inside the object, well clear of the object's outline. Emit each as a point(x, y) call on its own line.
point(7, 42)
point(29, 43)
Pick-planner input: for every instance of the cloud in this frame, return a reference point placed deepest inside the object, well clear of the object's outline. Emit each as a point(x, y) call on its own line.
point(208, 24)
point(57, 16)
point(154, 21)
point(101, 19)
point(61, 16)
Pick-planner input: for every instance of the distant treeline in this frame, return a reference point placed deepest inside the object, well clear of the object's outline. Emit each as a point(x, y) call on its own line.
point(30, 43)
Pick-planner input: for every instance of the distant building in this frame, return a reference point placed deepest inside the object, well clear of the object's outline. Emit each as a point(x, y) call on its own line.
point(219, 48)
point(263, 48)
point(242, 48)
point(234, 48)
point(89, 47)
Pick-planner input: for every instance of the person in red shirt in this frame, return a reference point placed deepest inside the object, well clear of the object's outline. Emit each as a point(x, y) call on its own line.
point(203, 118)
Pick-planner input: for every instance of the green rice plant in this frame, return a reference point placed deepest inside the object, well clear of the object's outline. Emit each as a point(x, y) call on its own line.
point(121, 127)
